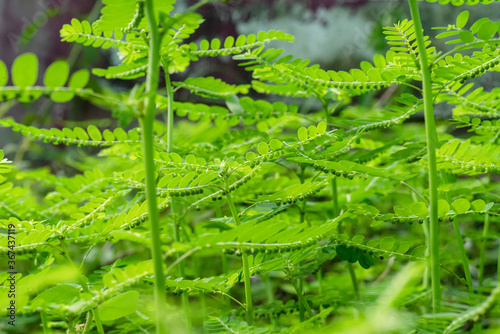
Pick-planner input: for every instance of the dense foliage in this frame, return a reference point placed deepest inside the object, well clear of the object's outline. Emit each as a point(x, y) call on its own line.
point(250, 214)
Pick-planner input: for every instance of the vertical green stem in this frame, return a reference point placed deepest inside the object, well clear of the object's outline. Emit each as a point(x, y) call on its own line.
point(300, 292)
point(170, 110)
point(302, 300)
point(336, 213)
point(302, 218)
point(225, 266)
point(45, 323)
point(184, 296)
point(465, 259)
point(498, 263)
point(482, 254)
point(270, 296)
point(203, 303)
point(431, 138)
point(460, 244)
point(71, 326)
point(98, 322)
point(177, 223)
point(147, 121)
point(244, 256)
point(304, 201)
point(85, 288)
point(335, 196)
point(88, 322)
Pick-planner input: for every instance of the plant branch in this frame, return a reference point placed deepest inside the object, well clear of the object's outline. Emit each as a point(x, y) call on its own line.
point(431, 138)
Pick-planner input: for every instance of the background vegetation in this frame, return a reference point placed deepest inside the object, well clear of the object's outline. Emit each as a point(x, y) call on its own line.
point(291, 196)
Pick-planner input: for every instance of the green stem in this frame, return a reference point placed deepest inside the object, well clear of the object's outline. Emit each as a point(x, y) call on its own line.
point(270, 296)
point(300, 292)
point(225, 266)
point(177, 238)
point(88, 322)
point(71, 326)
point(304, 201)
point(203, 303)
point(425, 229)
point(170, 110)
point(244, 256)
point(335, 196)
point(302, 218)
point(498, 263)
point(98, 322)
point(45, 323)
point(460, 242)
point(465, 259)
point(149, 165)
point(482, 254)
point(85, 288)
point(302, 300)
point(431, 138)
point(319, 278)
point(336, 213)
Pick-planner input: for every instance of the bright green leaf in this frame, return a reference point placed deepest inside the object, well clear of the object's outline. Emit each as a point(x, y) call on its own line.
point(262, 148)
point(302, 134)
point(321, 128)
point(420, 209)
point(466, 36)
point(443, 207)
point(60, 295)
point(487, 30)
point(94, 133)
point(478, 205)
point(275, 144)
point(56, 74)
point(25, 70)
point(79, 79)
point(119, 306)
point(4, 74)
point(462, 19)
point(460, 206)
point(387, 243)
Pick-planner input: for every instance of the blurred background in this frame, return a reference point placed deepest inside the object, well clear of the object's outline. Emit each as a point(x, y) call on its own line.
point(337, 34)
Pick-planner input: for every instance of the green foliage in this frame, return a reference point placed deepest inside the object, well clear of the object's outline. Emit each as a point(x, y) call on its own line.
point(24, 73)
point(298, 200)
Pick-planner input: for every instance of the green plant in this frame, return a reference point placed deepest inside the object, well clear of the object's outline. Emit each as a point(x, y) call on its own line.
point(145, 231)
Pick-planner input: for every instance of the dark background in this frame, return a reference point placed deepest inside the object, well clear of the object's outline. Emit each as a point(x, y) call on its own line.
point(335, 34)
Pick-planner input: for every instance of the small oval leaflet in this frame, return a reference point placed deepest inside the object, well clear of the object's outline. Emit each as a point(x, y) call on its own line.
point(120, 134)
point(56, 74)
point(25, 70)
point(275, 144)
point(262, 148)
point(302, 134)
point(80, 133)
point(462, 19)
point(321, 128)
point(94, 133)
point(460, 206)
point(4, 75)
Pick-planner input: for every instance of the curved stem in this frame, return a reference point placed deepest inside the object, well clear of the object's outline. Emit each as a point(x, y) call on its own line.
point(431, 138)
point(147, 120)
